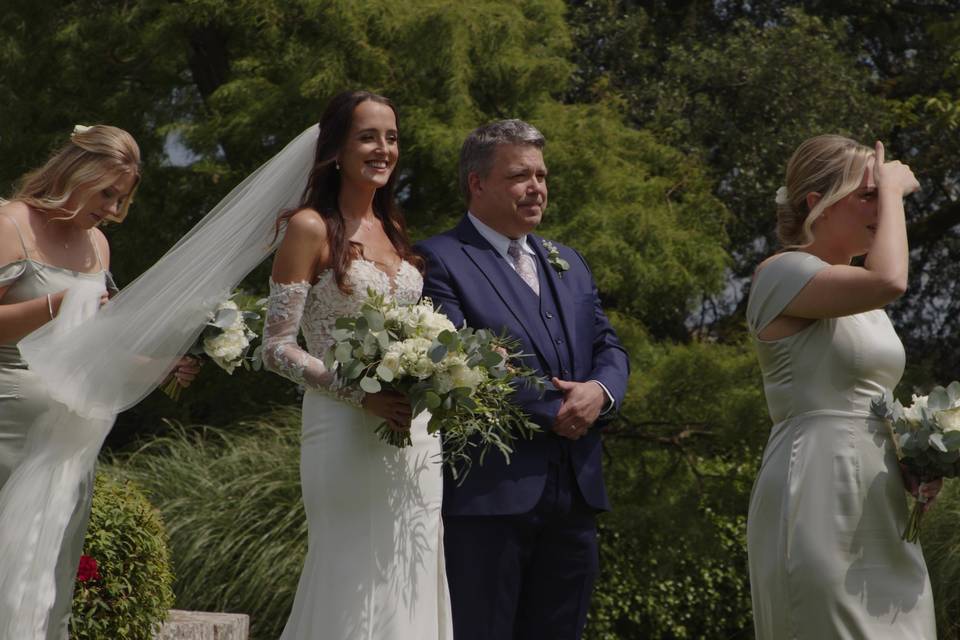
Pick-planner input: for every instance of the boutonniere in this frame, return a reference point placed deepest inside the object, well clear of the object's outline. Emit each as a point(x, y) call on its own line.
point(553, 257)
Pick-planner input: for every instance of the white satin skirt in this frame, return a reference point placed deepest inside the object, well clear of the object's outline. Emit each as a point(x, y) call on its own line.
point(374, 565)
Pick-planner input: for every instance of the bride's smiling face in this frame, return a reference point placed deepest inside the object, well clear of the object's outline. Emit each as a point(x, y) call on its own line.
point(370, 152)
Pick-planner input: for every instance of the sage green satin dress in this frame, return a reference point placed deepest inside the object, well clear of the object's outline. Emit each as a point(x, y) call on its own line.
point(23, 397)
point(828, 506)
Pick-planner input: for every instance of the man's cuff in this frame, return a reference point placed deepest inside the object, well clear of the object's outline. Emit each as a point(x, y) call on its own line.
point(610, 401)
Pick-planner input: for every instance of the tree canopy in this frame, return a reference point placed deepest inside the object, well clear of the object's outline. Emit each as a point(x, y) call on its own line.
point(669, 125)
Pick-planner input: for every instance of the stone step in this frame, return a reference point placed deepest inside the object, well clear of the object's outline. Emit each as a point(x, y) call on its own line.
point(200, 625)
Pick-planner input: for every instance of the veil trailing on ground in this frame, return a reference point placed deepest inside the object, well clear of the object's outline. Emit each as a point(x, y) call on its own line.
point(98, 363)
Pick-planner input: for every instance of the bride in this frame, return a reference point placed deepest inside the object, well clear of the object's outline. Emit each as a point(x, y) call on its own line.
point(374, 565)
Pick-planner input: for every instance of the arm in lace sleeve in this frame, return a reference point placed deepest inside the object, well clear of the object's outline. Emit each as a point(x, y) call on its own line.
point(282, 354)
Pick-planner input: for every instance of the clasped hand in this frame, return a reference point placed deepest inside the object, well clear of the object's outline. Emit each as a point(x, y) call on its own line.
point(581, 406)
point(929, 490)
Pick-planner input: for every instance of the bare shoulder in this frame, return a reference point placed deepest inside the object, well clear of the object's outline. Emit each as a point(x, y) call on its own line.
point(103, 246)
point(14, 219)
point(307, 224)
point(16, 210)
point(303, 250)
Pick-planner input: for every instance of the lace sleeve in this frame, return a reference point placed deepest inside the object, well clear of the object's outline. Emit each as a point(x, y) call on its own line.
point(282, 354)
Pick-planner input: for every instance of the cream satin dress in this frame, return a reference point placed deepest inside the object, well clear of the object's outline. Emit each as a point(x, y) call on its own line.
point(828, 506)
point(23, 397)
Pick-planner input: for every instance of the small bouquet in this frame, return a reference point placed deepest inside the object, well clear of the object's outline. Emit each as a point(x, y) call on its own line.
point(226, 338)
point(927, 439)
point(463, 377)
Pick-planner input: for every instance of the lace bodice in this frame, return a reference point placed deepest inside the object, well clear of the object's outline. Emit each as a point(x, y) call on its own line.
point(314, 310)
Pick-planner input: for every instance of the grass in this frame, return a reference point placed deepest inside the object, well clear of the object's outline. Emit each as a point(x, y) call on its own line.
point(231, 500)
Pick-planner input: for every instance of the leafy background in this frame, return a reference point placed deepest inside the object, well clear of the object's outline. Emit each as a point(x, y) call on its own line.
point(669, 124)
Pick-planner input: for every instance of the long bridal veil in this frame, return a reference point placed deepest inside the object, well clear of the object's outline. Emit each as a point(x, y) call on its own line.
point(98, 364)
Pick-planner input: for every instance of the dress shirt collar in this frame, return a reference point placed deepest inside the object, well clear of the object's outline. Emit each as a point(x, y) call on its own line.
point(496, 239)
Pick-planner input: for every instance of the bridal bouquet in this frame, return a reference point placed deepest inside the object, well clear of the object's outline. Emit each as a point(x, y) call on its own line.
point(226, 338)
point(927, 438)
point(463, 377)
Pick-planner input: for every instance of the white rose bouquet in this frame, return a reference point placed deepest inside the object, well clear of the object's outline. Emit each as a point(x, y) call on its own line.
point(463, 377)
point(225, 339)
point(927, 439)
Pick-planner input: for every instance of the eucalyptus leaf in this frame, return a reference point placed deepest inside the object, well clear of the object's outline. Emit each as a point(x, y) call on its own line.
point(437, 353)
point(341, 334)
point(953, 391)
point(225, 318)
point(352, 370)
point(432, 400)
point(938, 400)
point(936, 441)
point(905, 440)
point(492, 359)
point(330, 359)
point(448, 338)
point(951, 440)
point(344, 352)
point(385, 373)
point(374, 319)
point(370, 385)
point(344, 323)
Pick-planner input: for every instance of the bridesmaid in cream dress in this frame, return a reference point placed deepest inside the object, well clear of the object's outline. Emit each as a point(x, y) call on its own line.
point(49, 242)
point(374, 566)
point(828, 506)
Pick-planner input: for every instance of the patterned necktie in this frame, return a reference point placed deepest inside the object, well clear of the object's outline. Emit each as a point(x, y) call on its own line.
point(523, 263)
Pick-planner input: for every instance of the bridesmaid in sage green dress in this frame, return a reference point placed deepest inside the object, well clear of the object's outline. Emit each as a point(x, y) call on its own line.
point(828, 506)
point(48, 241)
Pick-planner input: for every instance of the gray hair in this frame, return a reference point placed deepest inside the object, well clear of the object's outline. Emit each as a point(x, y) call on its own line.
point(476, 155)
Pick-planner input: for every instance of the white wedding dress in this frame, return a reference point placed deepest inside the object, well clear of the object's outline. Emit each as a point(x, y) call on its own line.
point(374, 565)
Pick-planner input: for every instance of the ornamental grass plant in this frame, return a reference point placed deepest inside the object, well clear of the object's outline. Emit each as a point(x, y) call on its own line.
point(232, 503)
point(941, 550)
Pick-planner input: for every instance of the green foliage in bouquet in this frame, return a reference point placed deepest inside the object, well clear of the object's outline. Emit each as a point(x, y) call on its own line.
point(123, 589)
point(463, 377)
point(927, 438)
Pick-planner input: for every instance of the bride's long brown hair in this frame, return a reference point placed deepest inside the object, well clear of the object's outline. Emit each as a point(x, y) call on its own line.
point(323, 189)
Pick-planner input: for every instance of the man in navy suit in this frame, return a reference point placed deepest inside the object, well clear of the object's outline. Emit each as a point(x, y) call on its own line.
point(520, 538)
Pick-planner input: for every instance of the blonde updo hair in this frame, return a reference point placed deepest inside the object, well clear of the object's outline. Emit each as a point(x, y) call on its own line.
point(830, 165)
point(94, 158)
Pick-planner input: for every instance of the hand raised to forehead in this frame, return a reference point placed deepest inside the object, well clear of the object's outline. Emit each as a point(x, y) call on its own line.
point(893, 174)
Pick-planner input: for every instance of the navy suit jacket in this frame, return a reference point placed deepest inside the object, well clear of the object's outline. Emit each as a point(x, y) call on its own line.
point(472, 282)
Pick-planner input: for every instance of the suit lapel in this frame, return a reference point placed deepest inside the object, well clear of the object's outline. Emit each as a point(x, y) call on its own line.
point(549, 276)
point(520, 302)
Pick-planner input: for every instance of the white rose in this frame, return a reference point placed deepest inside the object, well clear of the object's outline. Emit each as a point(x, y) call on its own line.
point(392, 361)
point(914, 413)
point(413, 349)
point(949, 419)
point(227, 348)
point(464, 376)
point(422, 368)
point(442, 382)
point(433, 324)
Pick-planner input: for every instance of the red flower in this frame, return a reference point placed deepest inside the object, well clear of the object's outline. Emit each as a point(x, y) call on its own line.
point(88, 569)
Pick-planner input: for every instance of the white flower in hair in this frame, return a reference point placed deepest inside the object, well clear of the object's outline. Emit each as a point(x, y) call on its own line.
point(782, 196)
point(80, 128)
